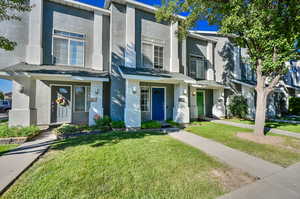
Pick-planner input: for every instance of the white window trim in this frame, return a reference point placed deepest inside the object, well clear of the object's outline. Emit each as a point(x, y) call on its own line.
point(85, 98)
point(69, 39)
point(194, 56)
point(153, 44)
point(148, 98)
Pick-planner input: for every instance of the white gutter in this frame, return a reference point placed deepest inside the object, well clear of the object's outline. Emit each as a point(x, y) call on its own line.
point(84, 6)
point(191, 34)
point(242, 83)
point(136, 4)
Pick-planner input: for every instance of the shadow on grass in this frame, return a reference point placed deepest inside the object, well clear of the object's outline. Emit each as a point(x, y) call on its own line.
point(273, 125)
point(109, 138)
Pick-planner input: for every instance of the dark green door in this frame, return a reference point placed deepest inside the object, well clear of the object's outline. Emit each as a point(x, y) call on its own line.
point(200, 104)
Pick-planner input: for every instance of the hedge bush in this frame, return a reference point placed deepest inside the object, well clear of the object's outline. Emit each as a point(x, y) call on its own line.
point(238, 106)
point(151, 124)
point(294, 105)
point(6, 131)
point(118, 124)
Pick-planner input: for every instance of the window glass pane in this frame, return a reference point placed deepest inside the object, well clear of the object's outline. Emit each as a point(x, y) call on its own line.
point(147, 54)
point(80, 98)
point(158, 57)
point(144, 99)
point(88, 95)
point(60, 51)
point(193, 68)
point(200, 69)
point(76, 53)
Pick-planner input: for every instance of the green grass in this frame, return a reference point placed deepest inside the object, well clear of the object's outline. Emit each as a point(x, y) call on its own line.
point(225, 134)
point(5, 131)
point(121, 165)
point(6, 147)
point(278, 125)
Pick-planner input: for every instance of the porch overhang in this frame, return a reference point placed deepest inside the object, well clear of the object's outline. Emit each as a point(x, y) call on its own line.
point(152, 75)
point(208, 84)
point(248, 84)
point(54, 73)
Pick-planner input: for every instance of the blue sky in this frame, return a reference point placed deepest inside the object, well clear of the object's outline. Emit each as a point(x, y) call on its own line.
point(5, 85)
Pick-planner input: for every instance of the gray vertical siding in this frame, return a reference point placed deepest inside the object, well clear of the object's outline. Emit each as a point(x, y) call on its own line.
point(146, 25)
point(15, 31)
point(70, 19)
point(169, 100)
point(117, 89)
point(106, 42)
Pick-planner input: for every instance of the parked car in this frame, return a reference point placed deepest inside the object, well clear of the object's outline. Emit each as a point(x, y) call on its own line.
point(5, 105)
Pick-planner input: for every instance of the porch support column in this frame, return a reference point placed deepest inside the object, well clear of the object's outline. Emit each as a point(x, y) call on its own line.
point(219, 106)
point(132, 104)
point(181, 111)
point(210, 59)
point(130, 54)
point(96, 96)
point(271, 106)
point(34, 51)
point(174, 61)
point(297, 93)
point(248, 93)
point(97, 57)
point(193, 101)
point(23, 112)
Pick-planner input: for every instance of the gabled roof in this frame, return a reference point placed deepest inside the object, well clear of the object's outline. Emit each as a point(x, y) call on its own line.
point(54, 70)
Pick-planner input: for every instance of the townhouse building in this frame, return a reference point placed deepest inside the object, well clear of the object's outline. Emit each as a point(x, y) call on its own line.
point(75, 61)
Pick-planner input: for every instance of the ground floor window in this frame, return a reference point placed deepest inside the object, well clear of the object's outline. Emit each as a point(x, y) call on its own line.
point(145, 99)
point(81, 98)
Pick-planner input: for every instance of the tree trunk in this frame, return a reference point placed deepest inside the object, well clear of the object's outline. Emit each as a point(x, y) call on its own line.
point(261, 109)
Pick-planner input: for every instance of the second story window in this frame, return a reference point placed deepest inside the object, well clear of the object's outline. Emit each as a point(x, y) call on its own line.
point(152, 55)
point(198, 68)
point(68, 48)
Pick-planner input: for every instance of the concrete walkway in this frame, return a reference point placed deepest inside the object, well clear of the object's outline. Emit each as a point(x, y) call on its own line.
point(237, 159)
point(249, 126)
point(283, 185)
point(14, 163)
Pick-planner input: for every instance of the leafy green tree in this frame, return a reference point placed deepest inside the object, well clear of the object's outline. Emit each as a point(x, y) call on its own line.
point(1, 95)
point(9, 11)
point(267, 28)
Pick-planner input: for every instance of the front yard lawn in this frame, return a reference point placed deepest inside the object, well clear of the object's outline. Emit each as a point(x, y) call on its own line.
point(6, 147)
point(284, 155)
point(6, 132)
point(125, 165)
point(271, 124)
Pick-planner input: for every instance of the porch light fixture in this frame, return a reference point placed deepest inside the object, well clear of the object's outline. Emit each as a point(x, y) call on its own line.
point(134, 90)
point(194, 93)
point(97, 91)
point(184, 91)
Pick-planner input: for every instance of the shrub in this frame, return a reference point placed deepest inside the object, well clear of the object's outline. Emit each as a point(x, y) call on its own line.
point(238, 106)
point(294, 105)
point(6, 132)
point(151, 124)
point(102, 123)
point(66, 129)
point(118, 124)
point(172, 123)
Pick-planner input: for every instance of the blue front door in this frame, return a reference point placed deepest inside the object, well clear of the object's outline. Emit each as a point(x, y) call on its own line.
point(158, 104)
